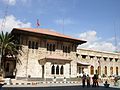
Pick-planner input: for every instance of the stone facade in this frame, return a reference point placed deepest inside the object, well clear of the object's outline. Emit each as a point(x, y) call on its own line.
point(49, 56)
point(107, 62)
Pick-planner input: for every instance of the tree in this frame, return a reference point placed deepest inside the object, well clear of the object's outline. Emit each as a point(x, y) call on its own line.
point(8, 48)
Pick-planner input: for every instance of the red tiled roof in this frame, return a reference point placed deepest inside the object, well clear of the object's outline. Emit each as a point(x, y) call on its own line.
point(47, 32)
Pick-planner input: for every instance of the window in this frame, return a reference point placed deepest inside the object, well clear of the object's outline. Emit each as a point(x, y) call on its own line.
point(116, 59)
point(98, 58)
point(111, 70)
point(53, 70)
point(57, 69)
point(66, 49)
point(61, 70)
point(111, 59)
point(53, 47)
point(105, 58)
point(116, 70)
point(50, 47)
point(33, 43)
point(29, 45)
point(91, 70)
point(36, 46)
point(91, 57)
point(84, 56)
point(99, 70)
point(105, 70)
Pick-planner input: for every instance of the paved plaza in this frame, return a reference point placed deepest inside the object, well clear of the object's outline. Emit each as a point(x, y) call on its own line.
point(57, 86)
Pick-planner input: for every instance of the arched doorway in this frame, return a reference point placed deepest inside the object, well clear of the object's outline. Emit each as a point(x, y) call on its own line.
point(111, 70)
point(99, 70)
point(105, 70)
point(91, 70)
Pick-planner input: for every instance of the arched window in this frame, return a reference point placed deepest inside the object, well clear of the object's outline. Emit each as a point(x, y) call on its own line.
point(53, 70)
point(57, 69)
point(111, 70)
point(116, 70)
point(105, 70)
point(61, 70)
point(91, 70)
point(99, 70)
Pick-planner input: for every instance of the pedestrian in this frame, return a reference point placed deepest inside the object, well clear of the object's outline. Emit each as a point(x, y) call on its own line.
point(93, 79)
point(83, 80)
point(88, 81)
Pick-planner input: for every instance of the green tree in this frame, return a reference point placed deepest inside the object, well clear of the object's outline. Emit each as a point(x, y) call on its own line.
point(7, 48)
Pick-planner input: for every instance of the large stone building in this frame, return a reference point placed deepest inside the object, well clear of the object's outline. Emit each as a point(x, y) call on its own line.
point(48, 54)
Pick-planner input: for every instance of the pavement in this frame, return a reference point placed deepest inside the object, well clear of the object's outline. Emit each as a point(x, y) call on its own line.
point(52, 84)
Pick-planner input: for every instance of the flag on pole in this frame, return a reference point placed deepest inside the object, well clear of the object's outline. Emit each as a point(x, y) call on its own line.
point(38, 24)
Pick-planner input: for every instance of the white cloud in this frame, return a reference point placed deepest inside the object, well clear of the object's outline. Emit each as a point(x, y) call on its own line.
point(64, 21)
point(10, 2)
point(12, 22)
point(95, 43)
point(13, 2)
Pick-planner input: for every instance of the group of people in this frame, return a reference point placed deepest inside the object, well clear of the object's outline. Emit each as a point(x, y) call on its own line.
point(87, 78)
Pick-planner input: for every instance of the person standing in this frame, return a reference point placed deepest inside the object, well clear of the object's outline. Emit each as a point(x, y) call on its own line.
point(83, 80)
point(88, 81)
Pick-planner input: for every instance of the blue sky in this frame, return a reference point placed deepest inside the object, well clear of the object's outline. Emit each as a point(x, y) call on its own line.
point(93, 20)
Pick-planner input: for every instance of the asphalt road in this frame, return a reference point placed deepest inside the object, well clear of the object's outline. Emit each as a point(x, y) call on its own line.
point(58, 88)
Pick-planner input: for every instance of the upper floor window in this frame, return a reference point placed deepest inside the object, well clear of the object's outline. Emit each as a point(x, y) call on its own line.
point(66, 49)
point(116, 59)
point(33, 45)
point(50, 47)
point(105, 58)
point(98, 58)
point(29, 45)
point(111, 59)
point(91, 57)
point(84, 56)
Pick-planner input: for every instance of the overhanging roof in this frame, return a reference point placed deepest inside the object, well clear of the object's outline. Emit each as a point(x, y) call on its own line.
point(46, 32)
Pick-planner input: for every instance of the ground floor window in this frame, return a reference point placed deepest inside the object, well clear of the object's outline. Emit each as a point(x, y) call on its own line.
point(99, 70)
point(91, 70)
point(116, 70)
point(61, 70)
point(53, 70)
point(105, 70)
point(111, 70)
point(57, 69)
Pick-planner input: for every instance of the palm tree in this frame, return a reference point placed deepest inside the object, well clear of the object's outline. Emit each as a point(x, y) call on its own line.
point(8, 48)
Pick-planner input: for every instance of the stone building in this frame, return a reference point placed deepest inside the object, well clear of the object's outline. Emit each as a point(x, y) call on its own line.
point(106, 63)
point(47, 54)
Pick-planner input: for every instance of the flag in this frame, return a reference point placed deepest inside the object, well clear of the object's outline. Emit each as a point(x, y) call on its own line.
point(38, 24)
